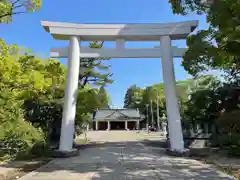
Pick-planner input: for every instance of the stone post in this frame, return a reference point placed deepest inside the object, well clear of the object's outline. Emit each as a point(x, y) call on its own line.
point(109, 126)
point(126, 125)
point(96, 125)
point(138, 125)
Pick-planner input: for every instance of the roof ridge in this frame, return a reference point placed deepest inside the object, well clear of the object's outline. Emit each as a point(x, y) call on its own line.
point(111, 114)
point(122, 113)
point(116, 109)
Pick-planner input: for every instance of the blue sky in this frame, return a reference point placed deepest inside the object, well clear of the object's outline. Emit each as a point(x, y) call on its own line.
point(25, 30)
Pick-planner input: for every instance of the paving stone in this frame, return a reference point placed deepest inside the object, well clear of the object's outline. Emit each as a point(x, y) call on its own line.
point(124, 160)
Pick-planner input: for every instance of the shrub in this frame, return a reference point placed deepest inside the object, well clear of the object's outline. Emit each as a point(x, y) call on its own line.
point(234, 150)
point(20, 138)
point(40, 149)
point(229, 127)
point(229, 122)
point(17, 136)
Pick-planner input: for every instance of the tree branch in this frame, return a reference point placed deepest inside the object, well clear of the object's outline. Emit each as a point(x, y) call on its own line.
point(21, 5)
point(4, 15)
point(11, 14)
point(15, 2)
point(85, 81)
point(95, 79)
point(21, 12)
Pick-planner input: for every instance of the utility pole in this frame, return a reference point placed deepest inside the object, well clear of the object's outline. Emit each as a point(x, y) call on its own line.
point(147, 116)
point(158, 120)
point(152, 113)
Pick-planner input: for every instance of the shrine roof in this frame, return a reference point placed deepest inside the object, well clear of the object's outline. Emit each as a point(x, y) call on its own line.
point(117, 114)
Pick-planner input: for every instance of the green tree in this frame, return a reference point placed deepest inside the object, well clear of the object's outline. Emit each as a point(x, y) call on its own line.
point(203, 82)
point(132, 97)
point(147, 96)
point(8, 8)
point(87, 102)
point(32, 92)
point(103, 98)
point(217, 47)
point(94, 71)
point(31, 96)
point(16, 85)
point(144, 97)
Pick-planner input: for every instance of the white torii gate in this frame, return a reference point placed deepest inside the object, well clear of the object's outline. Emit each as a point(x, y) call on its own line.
point(120, 33)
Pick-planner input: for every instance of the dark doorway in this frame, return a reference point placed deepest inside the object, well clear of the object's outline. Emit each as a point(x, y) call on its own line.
point(102, 125)
point(132, 125)
point(117, 125)
point(94, 125)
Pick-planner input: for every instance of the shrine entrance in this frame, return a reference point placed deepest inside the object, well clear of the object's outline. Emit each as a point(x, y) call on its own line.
point(163, 33)
point(103, 125)
point(117, 125)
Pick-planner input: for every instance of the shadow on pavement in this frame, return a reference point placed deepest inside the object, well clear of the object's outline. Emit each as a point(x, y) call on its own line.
point(155, 143)
point(124, 160)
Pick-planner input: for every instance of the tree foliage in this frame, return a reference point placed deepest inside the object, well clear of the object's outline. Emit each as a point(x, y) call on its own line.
point(94, 71)
point(103, 98)
point(142, 98)
point(31, 99)
point(132, 97)
point(217, 47)
point(8, 8)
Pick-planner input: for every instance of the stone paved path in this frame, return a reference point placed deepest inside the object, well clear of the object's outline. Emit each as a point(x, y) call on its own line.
point(123, 158)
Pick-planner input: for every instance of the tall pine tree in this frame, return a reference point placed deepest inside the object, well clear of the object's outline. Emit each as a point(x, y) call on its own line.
point(94, 71)
point(103, 98)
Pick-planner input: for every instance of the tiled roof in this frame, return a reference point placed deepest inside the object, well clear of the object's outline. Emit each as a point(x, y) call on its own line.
point(115, 114)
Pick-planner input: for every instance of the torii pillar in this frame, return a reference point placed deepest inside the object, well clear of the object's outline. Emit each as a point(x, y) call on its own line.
point(173, 112)
point(70, 96)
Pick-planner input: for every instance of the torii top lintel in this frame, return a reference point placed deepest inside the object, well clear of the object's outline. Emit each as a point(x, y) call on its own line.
point(111, 32)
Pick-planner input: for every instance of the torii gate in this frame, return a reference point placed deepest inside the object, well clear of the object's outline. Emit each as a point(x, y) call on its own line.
point(120, 33)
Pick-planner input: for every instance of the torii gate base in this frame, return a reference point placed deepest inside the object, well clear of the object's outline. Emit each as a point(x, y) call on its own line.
point(120, 33)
